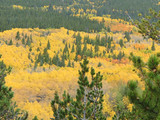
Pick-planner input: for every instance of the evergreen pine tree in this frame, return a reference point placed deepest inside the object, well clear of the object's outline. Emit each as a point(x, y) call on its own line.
point(121, 43)
point(48, 45)
point(8, 109)
point(18, 36)
point(38, 49)
point(46, 55)
point(74, 35)
point(91, 53)
point(31, 39)
point(153, 46)
point(50, 8)
point(96, 48)
point(41, 62)
point(88, 102)
point(108, 29)
point(78, 39)
point(25, 36)
point(69, 64)
point(146, 102)
point(76, 57)
point(35, 65)
point(6, 41)
point(99, 64)
point(149, 25)
point(73, 64)
point(35, 118)
point(127, 36)
point(109, 46)
point(119, 56)
point(23, 41)
point(17, 44)
point(104, 52)
point(84, 49)
point(56, 60)
point(28, 42)
point(67, 32)
point(65, 48)
point(69, 45)
point(72, 49)
point(63, 62)
point(29, 56)
point(114, 56)
point(10, 42)
point(30, 49)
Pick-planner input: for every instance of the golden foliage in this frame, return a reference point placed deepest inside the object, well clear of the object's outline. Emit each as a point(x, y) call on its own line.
point(34, 90)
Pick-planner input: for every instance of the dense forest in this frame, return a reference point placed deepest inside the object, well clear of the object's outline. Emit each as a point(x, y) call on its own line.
point(102, 7)
point(32, 18)
point(59, 13)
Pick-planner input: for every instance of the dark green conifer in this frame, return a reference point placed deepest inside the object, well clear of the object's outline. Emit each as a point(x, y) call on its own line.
point(29, 56)
point(96, 48)
point(35, 65)
point(31, 39)
point(99, 64)
point(8, 109)
point(149, 25)
point(23, 41)
point(74, 35)
point(108, 29)
point(25, 36)
point(146, 102)
point(48, 45)
point(63, 62)
point(38, 49)
point(18, 36)
point(69, 64)
point(67, 32)
point(153, 46)
point(72, 49)
point(46, 55)
point(121, 43)
point(28, 42)
point(35, 118)
point(65, 48)
point(127, 36)
point(88, 102)
point(119, 56)
point(30, 49)
point(84, 49)
point(6, 41)
point(17, 44)
point(73, 64)
point(10, 42)
point(76, 57)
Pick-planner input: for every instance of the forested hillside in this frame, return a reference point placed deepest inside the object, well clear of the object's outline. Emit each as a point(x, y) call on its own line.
point(31, 18)
point(45, 61)
point(115, 8)
point(56, 14)
point(79, 60)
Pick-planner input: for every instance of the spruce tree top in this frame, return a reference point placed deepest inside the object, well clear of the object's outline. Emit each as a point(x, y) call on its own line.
point(88, 102)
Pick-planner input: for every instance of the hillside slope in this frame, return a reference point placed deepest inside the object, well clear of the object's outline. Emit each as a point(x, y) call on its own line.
point(34, 88)
point(116, 8)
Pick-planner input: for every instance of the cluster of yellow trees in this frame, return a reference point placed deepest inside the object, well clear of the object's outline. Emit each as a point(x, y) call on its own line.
point(34, 90)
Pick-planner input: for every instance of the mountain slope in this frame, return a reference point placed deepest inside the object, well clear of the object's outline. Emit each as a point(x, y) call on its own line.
point(116, 8)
